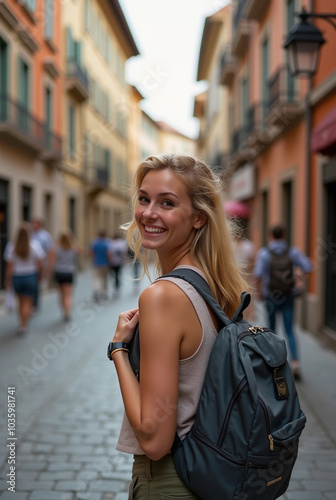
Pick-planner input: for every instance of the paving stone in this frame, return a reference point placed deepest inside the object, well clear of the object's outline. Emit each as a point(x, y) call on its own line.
point(18, 495)
point(304, 495)
point(319, 485)
point(34, 485)
point(50, 495)
point(71, 485)
point(107, 486)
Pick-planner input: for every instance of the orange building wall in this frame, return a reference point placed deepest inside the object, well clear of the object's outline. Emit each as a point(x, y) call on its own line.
point(36, 31)
point(287, 153)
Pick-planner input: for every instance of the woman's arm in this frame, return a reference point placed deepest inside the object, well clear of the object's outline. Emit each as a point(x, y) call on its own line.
point(151, 405)
point(8, 275)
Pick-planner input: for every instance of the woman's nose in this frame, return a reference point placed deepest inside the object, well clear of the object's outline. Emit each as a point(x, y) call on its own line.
point(150, 211)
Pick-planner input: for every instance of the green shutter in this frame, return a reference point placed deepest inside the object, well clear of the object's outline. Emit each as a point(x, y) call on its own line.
point(70, 45)
point(265, 73)
point(290, 23)
point(48, 19)
point(71, 127)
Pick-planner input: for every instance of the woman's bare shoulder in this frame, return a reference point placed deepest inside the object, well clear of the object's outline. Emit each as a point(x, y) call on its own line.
point(162, 293)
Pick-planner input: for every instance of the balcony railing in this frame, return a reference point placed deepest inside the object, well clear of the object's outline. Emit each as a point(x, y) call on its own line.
point(228, 67)
point(238, 14)
point(97, 177)
point(20, 127)
point(258, 130)
point(239, 145)
point(77, 81)
point(284, 104)
point(241, 30)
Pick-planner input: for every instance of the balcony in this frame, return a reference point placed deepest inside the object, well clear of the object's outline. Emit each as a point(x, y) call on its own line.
point(255, 9)
point(19, 128)
point(241, 30)
point(77, 81)
point(228, 67)
point(97, 178)
point(241, 151)
point(52, 149)
point(284, 105)
point(259, 133)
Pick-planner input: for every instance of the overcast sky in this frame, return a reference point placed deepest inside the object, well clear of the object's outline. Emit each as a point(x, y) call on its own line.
point(168, 35)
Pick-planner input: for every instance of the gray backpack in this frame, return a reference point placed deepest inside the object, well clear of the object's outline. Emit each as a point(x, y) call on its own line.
point(244, 442)
point(281, 275)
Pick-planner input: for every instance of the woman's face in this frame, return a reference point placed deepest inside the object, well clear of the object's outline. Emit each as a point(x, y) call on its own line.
point(164, 213)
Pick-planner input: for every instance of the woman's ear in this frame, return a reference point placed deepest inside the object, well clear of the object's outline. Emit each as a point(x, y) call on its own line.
point(200, 220)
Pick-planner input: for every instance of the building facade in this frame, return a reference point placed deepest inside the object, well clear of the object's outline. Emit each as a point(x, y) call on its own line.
point(30, 115)
point(282, 142)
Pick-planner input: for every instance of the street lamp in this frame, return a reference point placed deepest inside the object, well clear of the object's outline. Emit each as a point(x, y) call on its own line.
point(303, 43)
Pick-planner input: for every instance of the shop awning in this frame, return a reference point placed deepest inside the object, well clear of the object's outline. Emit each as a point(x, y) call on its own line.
point(323, 136)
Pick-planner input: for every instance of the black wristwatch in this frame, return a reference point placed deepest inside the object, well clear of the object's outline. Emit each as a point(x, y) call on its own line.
point(116, 346)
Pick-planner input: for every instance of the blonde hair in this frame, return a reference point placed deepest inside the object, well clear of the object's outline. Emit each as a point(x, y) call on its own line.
point(65, 239)
point(22, 241)
point(211, 247)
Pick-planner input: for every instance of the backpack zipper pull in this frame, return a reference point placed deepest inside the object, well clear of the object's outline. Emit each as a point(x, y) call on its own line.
point(270, 437)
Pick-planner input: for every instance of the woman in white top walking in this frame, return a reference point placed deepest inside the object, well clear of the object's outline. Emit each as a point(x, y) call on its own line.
point(177, 214)
point(24, 260)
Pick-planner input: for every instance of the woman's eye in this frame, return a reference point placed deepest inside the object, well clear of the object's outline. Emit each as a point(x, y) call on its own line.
point(143, 199)
point(167, 203)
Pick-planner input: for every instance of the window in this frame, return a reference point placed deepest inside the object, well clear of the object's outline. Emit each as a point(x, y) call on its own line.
point(244, 101)
point(290, 24)
point(265, 73)
point(30, 4)
point(72, 214)
point(48, 19)
point(71, 130)
point(74, 48)
point(23, 95)
point(287, 209)
point(264, 215)
point(26, 203)
point(3, 78)
point(48, 115)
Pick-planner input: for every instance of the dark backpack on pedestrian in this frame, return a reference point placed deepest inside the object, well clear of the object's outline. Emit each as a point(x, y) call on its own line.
point(244, 441)
point(281, 273)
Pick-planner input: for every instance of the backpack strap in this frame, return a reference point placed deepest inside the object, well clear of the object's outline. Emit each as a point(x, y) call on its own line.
point(198, 282)
point(245, 301)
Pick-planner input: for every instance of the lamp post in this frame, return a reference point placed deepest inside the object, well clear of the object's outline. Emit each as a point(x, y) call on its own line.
point(303, 44)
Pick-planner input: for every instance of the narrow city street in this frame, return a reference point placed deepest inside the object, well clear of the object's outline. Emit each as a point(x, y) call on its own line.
point(68, 407)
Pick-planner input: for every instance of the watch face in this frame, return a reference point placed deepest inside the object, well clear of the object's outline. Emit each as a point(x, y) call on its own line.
point(109, 350)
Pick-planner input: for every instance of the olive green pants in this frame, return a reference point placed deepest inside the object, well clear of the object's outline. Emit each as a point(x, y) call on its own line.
point(157, 480)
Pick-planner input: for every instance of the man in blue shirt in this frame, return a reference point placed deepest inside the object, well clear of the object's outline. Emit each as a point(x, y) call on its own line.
point(283, 303)
point(100, 261)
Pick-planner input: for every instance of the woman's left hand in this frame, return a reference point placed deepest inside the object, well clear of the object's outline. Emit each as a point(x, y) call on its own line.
point(126, 326)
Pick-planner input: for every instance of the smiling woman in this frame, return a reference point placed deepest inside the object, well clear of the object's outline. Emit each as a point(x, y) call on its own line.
point(177, 213)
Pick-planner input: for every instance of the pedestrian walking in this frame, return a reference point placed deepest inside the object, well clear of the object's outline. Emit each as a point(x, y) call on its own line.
point(275, 269)
point(178, 215)
point(65, 268)
point(44, 238)
point(24, 265)
point(117, 255)
point(100, 260)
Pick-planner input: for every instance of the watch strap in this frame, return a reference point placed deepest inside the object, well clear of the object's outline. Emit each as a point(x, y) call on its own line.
point(114, 346)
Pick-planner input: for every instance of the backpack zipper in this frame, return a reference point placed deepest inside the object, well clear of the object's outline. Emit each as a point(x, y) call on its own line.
point(253, 330)
point(268, 425)
point(215, 448)
point(241, 386)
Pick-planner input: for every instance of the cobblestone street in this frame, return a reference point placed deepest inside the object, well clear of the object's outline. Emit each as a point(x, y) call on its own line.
point(69, 409)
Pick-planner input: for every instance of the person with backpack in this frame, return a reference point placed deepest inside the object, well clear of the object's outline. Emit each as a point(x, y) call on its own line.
point(275, 269)
point(178, 216)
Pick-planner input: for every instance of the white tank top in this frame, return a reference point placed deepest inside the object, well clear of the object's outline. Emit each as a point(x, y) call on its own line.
point(191, 373)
